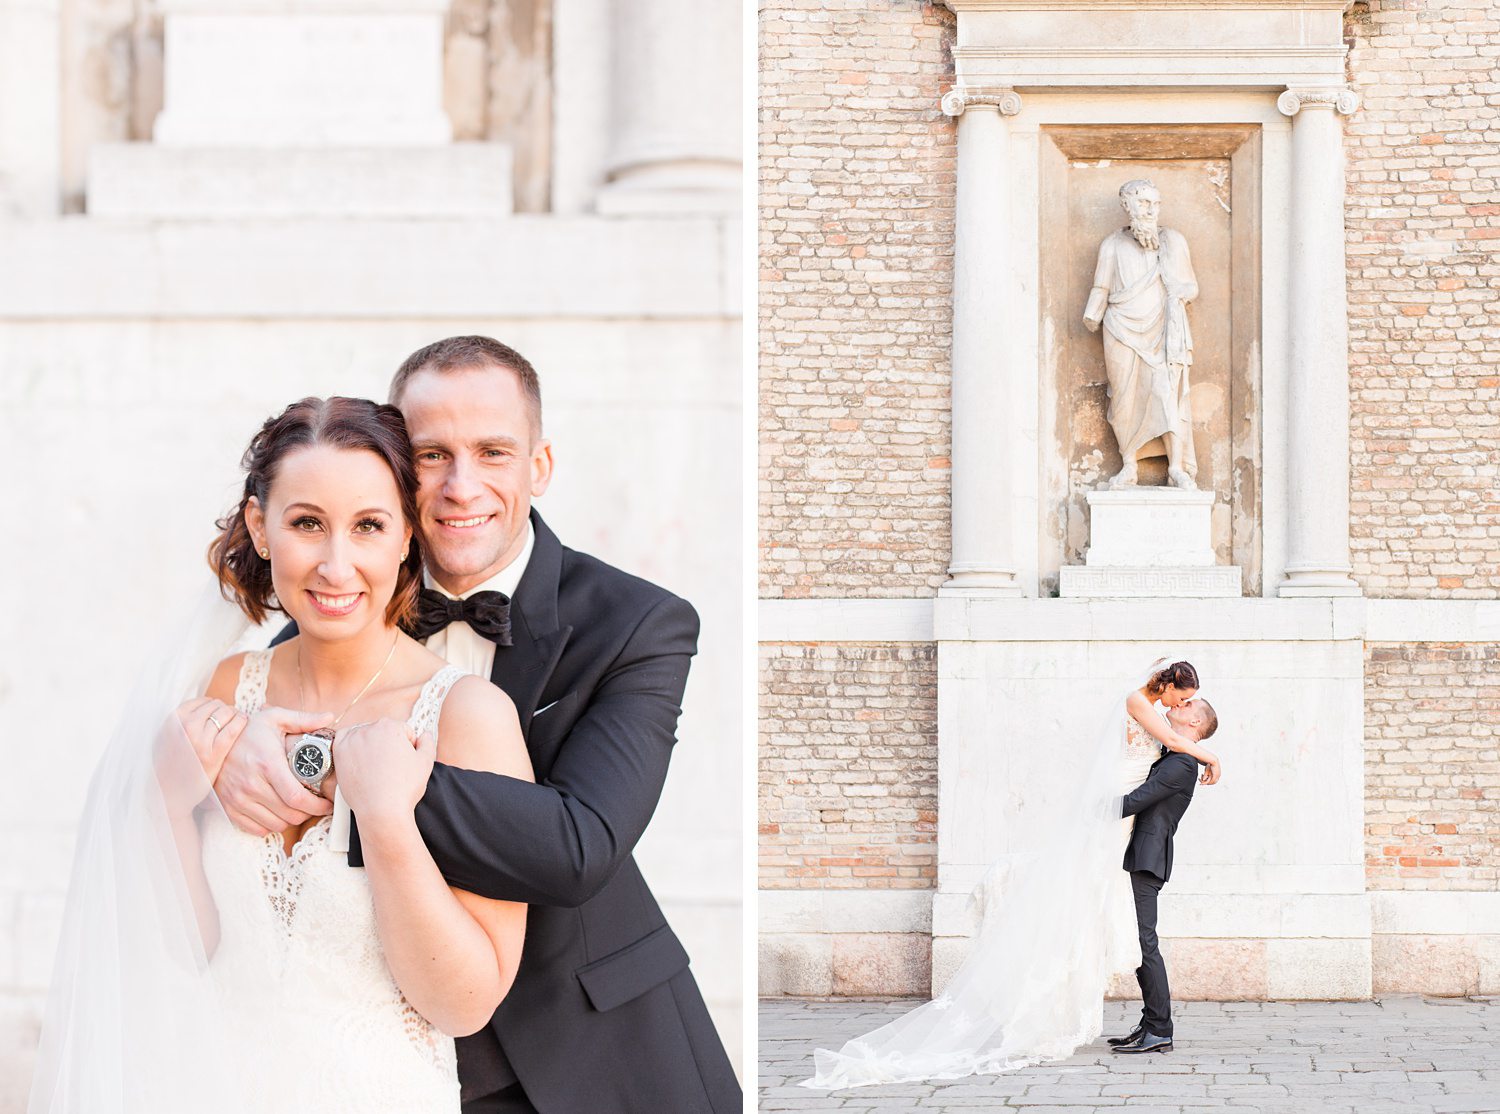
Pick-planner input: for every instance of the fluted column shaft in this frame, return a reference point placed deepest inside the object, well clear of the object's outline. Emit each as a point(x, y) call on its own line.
point(1318, 365)
point(983, 484)
point(30, 109)
point(674, 123)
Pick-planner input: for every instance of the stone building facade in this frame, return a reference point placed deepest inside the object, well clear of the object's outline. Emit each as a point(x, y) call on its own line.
point(210, 209)
point(883, 681)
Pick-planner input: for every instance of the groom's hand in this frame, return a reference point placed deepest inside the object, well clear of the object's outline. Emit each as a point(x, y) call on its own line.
point(256, 786)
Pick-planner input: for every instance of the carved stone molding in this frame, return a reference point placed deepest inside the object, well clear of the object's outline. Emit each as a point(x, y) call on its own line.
point(1341, 100)
point(960, 97)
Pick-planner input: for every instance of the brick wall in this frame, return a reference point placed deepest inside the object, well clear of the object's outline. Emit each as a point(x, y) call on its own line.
point(856, 233)
point(1432, 766)
point(1423, 220)
point(848, 766)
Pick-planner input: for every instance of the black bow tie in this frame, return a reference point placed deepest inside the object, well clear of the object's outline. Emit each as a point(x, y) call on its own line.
point(487, 612)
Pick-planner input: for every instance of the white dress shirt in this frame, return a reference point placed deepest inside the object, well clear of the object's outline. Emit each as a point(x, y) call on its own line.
point(459, 643)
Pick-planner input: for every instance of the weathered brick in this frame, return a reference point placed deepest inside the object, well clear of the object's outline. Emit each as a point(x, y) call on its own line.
point(848, 766)
point(856, 236)
point(1432, 766)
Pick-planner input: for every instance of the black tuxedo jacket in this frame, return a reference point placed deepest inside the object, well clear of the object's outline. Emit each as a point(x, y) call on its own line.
point(604, 1015)
point(1157, 804)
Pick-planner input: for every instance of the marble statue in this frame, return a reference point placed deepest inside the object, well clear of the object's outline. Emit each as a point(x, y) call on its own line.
point(1142, 285)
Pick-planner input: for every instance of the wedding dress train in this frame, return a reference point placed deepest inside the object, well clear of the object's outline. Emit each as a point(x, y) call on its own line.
point(1054, 922)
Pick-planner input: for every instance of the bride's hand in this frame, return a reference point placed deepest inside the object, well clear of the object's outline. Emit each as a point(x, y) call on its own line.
point(1212, 771)
point(212, 728)
point(256, 787)
point(383, 768)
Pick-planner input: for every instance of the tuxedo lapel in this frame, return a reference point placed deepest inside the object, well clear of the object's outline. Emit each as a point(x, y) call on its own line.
point(523, 668)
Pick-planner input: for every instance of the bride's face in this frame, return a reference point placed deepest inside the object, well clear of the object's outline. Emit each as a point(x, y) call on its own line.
point(1172, 696)
point(333, 525)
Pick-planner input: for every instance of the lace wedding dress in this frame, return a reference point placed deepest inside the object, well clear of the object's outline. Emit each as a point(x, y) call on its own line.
point(1057, 916)
point(317, 1021)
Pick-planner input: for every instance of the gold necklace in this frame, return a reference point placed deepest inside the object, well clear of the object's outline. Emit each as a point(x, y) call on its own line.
point(302, 692)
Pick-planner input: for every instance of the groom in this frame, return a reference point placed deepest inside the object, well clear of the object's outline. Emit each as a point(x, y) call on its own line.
point(1158, 804)
point(604, 1015)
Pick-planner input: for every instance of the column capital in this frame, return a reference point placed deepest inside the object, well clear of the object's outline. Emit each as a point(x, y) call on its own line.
point(1000, 97)
point(1340, 98)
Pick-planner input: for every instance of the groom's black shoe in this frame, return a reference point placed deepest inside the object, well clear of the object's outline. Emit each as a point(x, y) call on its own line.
point(1146, 1042)
point(1128, 1038)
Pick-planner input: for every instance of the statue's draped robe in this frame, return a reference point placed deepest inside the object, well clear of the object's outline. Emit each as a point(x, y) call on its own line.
point(1147, 346)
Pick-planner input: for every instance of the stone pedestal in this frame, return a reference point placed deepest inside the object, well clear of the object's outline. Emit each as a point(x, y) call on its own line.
point(145, 181)
point(284, 109)
point(317, 73)
point(1150, 542)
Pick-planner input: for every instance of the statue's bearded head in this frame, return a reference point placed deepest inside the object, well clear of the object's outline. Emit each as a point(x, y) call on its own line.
point(1142, 203)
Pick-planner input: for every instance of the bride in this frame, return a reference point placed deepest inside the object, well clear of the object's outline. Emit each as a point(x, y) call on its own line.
point(204, 968)
point(1054, 917)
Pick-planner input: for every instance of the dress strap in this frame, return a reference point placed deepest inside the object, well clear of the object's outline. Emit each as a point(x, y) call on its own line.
point(255, 672)
point(428, 709)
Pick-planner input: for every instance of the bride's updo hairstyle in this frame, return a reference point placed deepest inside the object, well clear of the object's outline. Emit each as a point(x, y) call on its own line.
point(343, 423)
point(1179, 673)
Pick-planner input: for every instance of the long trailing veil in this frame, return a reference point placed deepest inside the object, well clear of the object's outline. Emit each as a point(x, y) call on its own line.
point(1032, 988)
point(134, 1024)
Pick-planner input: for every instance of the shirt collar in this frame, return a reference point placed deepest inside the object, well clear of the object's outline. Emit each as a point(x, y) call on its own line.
point(505, 581)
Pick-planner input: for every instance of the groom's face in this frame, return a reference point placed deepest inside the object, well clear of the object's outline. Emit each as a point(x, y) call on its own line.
point(1187, 719)
point(478, 466)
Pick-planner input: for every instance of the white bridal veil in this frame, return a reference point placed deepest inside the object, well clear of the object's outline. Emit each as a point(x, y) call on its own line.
point(134, 1025)
point(1033, 986)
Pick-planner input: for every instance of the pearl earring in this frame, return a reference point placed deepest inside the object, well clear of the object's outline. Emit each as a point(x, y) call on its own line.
point(265, 554)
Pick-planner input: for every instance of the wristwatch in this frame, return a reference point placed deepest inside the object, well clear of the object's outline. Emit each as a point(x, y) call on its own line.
point(311, 758)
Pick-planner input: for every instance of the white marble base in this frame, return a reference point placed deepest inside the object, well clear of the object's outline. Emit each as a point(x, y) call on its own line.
point(1235, 969)
point(1212, 582)
point(149, 181)
point(1269, 862)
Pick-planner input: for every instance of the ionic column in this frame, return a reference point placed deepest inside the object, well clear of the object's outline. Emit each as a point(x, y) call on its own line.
point(674, 121)
point(1318, 365)
point(30, 109)
point(984, 485)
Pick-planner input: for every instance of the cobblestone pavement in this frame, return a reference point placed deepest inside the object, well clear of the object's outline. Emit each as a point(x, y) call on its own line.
point(1398, 1055)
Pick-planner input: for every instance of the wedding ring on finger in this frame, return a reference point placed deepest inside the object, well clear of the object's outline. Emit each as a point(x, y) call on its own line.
point(217, 725)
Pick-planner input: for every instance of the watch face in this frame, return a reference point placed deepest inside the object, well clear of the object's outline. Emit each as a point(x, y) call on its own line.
point(307, 760)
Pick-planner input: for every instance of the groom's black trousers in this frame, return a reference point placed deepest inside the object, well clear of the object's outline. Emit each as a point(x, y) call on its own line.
point(1156, 1013)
